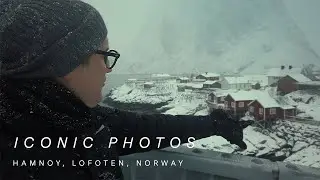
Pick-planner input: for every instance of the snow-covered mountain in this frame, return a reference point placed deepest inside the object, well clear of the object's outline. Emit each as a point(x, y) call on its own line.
point(221, 35)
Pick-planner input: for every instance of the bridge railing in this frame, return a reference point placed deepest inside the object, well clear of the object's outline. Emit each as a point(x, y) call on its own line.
point(210, 165)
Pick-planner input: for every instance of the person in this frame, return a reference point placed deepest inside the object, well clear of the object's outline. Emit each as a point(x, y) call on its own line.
point(55, 56)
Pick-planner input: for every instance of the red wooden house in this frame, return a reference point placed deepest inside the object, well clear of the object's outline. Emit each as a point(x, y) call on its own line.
point(266, 108)
point(288, 83)
point(217, 98)
point(212, 84)
point(237, 102)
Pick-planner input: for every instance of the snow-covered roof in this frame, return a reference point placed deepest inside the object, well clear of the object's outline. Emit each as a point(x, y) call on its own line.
point(268, 102)
point(192, 85)
point(244, 95)
point(210, 82)
point(238, 80)
point(311, 83)
point(278, 72)
point(261, 96)
point(287, 107)
point(197, 86)
point(257, 78)
point(210, 75)
point(198, 80)
point(160, 75)
point(183, 78)
point(221, 93)
point(299, 77)
point(148, 83)
point(132, 79)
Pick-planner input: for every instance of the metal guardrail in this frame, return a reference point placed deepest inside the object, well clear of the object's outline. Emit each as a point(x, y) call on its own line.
point(210, 165)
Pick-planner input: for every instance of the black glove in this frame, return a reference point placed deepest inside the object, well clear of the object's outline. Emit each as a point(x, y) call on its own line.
point(228, 127)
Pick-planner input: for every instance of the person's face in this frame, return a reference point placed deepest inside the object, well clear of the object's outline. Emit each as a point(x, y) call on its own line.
point(88, 80)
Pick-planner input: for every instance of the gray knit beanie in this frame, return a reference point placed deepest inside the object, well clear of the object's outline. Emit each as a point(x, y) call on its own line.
point(47, 38)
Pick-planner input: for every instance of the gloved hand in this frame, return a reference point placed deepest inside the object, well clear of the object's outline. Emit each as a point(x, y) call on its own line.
point(228, 127)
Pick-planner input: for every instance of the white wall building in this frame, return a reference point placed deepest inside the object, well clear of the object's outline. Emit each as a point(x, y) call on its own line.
point(236, 83)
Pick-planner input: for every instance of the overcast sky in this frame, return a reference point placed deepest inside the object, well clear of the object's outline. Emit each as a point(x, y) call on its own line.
point(127, 19)
point(306, 14)
point(127, 13)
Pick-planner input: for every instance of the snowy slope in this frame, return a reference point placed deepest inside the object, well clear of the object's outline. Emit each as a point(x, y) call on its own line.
point(307, 102)
point(220, 35)
point(309, 156)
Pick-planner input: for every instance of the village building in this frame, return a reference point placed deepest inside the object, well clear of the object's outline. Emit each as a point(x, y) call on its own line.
point(183, 80)
point(259, 104)
point(131, 82)
point(288, 83)
point(237, 102)
point(267, 108)
point(148, 85)
point(257, 81)
point(208, 76)
point(275, 74)
point(240, 83)
point(216, 100)
point(211, 84)
point(201, 81)
point(162, 77)
point(189, 86)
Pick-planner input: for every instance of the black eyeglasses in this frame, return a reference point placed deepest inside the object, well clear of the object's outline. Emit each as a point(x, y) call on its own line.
point(110, 57)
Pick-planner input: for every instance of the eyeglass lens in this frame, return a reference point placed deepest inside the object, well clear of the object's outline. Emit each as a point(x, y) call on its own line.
point(109, 60)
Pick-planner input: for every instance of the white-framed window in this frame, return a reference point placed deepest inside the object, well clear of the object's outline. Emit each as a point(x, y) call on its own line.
point(222, 98)
point(251, 109)
point(233, 104)
point(241, 104)
point(226, 104)
point(261, 111)
point(273, 111)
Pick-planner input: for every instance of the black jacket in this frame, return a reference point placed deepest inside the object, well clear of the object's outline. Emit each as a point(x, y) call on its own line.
point(43, 108)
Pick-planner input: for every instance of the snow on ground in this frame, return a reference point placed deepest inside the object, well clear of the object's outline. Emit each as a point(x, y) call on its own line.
point(295, 142)
point(162, 92)
point(307, 102)
point(299, 145)
point(305, 142)
point(215, 143)
point(309, 156)
point(187, 103)
point(203, 112)
point(259, 141)
point(310, 110)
